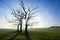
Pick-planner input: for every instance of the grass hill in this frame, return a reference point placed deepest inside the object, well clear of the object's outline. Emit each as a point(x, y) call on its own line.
point(34, 34)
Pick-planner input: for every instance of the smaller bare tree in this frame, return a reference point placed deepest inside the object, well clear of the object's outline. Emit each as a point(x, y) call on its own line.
point(18, 15)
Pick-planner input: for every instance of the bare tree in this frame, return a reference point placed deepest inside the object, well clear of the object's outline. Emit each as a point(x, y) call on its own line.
point(23, 13)
point(29, 14)
point(18, 15)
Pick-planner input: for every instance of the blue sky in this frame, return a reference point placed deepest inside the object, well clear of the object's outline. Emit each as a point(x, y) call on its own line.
point(49, 11)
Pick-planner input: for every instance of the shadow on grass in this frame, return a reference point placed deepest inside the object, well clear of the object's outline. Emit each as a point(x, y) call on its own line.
point(14, 36)
point(2, 37)
point(56, 37)
point(44, 37)
point(41, 36)
point(49, 37)
point(28, 36)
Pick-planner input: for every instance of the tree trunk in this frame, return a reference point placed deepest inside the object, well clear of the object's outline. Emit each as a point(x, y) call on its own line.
point(26, 31)
point(21, 26)
point(26, 27)
point(18, 28)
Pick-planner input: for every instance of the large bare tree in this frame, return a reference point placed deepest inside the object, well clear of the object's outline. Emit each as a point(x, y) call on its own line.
point(28, 14)
point(24, 13)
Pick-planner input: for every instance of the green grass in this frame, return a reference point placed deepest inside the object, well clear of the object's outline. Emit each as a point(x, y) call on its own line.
point(34, 34)
point(48, 33)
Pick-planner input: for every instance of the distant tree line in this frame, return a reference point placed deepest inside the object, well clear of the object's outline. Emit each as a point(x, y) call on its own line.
point(55, 26)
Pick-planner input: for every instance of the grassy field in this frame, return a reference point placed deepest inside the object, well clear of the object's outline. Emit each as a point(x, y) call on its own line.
point(34, 34)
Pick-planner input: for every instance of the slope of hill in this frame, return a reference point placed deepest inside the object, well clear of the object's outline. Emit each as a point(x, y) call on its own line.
point(34, 34)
